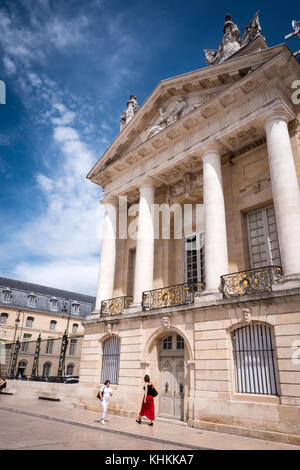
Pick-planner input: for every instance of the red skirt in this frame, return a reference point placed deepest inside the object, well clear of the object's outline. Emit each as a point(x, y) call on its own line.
point(147, 408)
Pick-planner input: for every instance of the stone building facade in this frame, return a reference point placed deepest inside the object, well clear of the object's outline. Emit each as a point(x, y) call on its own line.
point(212, 315)
point(28, 310)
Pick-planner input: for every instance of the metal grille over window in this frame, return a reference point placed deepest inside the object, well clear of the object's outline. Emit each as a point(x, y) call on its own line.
point(111, 360)
point(255, 364)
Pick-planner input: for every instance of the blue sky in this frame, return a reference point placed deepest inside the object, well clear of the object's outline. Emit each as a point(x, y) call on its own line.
point(69, 67)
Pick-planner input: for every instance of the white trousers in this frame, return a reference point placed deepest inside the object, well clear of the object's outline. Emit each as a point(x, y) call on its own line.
point(104, 404)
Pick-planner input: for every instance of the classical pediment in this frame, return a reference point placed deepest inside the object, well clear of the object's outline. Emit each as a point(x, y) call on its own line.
point(176, 107)
point(190, 100)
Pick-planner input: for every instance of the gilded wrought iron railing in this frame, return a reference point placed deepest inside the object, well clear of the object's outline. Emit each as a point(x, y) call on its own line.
point(252, 281)
point(115, 306)
point(171, 296)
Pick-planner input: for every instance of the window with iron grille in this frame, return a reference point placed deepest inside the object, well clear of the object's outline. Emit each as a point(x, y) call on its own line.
point(194, 257)
point(111, 360)
point(254, 357)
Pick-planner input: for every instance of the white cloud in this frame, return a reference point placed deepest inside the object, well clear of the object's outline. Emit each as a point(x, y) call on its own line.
point(74, 275)
point(9, 65)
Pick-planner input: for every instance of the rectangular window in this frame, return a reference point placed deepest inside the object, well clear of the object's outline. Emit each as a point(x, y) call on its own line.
point(194, 257)
point(111, 360)
point(254, 358)
point(72, 347)
point(49, 346)
point(25, 344)
point(262, 238)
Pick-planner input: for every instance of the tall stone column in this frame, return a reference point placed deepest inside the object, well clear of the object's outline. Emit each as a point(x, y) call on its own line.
point(108, 254)
point(285, 190)
point(145, 242)
point(215, 238)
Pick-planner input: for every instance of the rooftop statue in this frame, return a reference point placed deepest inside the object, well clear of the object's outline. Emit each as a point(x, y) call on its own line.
point(127, 115)
point(231, 41)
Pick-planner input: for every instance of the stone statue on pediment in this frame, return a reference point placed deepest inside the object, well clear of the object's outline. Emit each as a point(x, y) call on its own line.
point(252, 31)
point(128, 114)
point(231, 41)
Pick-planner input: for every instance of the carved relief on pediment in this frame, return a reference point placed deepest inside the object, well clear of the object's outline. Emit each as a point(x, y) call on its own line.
point(175, 110)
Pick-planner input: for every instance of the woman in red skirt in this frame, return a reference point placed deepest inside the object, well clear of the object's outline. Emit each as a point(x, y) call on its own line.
point(147, 408)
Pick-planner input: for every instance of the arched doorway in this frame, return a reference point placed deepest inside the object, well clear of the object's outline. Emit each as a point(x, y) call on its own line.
point(172, 380)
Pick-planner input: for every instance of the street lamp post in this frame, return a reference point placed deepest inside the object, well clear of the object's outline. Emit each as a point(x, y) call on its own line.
point(296, 32)
point(11, 371)
point(64, 344)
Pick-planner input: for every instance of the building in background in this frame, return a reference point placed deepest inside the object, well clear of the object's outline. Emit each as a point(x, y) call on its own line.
point(28, 310)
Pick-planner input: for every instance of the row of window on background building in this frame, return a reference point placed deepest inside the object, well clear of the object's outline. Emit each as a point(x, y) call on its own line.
point(30, 320)
point(46, 368)
point(253, 354)
point(49, 345)
point(7, 297)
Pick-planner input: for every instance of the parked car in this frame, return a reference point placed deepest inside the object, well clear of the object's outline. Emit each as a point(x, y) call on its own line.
point(71, 380)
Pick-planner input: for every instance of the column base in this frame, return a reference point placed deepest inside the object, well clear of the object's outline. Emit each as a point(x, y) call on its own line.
point(290, 281)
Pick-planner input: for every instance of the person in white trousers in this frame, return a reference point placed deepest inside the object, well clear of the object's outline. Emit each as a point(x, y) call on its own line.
point(105, 394)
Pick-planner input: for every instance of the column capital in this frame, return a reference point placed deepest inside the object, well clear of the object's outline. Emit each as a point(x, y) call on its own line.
point(112, 200)
point(210, 148)
point(147, 182)
point(276, 113)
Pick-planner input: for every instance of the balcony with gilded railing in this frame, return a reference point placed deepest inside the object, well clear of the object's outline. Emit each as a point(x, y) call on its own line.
point(252, 281)
point(115, 306)
point(171, 296)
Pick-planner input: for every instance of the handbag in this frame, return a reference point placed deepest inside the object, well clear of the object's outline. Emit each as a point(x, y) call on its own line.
point(98, 394)
point(154, 392)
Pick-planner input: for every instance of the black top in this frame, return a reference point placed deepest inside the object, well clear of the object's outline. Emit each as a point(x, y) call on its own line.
point(150, 389)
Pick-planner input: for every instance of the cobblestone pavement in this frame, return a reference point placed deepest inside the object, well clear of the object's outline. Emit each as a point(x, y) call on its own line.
point(34, 423)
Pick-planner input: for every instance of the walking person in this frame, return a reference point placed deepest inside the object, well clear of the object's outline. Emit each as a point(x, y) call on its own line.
point(105, 393)
point(147, 408)
point(2, 384)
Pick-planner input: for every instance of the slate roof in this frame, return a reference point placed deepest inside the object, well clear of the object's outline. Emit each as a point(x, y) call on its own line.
point(21, 290)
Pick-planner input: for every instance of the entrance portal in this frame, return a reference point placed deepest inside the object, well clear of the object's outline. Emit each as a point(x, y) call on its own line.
point(171, 396)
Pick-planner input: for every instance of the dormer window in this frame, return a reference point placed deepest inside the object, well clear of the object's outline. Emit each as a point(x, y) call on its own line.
point(7, 295)
point(53, 304)
point(75, 307)
point(32, 300)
